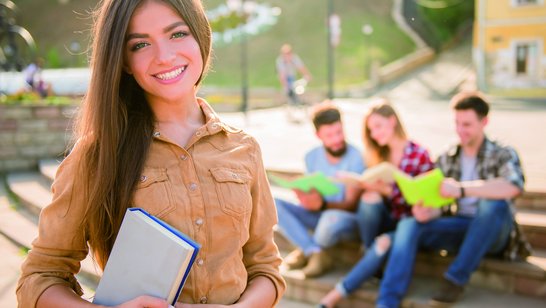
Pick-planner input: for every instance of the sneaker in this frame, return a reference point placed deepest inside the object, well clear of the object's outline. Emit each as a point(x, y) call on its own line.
point(319, 263)
point(448, 294)
point(295, 260)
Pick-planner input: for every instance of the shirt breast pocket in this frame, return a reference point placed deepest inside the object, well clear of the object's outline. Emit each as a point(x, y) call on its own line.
point(233, 189)
point(153, 192)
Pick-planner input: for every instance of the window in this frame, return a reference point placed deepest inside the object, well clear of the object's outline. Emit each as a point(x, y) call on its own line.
point(526, 2)
point(526, 54)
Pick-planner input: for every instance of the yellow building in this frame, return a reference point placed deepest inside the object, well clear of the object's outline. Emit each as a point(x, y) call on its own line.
point(509, 48)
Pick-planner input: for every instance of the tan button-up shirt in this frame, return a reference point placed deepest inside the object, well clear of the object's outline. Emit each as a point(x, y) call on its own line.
point(215, 190)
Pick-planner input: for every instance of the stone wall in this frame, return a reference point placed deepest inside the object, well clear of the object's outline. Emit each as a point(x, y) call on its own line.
point(29, 133)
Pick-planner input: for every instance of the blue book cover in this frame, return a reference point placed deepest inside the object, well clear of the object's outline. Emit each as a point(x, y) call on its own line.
point(149, 257)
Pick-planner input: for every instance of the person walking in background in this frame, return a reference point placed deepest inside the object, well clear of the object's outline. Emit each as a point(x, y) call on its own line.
point(289, 65)
point(382, 204)
point(484, 176)
point(34, 80)
point(331, 218)
point(145, 140)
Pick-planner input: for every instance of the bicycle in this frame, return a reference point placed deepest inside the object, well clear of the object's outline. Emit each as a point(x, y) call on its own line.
point(17, 46)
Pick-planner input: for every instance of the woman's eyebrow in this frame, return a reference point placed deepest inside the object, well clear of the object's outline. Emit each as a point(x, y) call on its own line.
point(168, 28)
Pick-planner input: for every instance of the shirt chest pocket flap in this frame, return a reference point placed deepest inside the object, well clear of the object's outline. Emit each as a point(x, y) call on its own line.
point(153, 192)
point(233, 189)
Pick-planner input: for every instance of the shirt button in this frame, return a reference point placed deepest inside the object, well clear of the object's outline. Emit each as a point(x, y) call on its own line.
point(203, 300)
point(183, 157)
point(200, 262)
point(199, 221)
point(193, 186)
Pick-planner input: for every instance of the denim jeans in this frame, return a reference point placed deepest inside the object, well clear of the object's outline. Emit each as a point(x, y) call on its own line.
point(373, 219)
point(472, 237)
point(329, 226)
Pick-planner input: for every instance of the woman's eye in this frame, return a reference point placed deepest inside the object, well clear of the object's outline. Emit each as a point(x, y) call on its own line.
point(179, 34)
point(138, 46)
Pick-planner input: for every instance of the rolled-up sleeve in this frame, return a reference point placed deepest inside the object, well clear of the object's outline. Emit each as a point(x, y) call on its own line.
point(261, 255)
point(60, 246)
point(510, 167)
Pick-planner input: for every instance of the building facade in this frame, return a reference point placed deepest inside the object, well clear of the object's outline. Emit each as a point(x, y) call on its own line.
point(509, 48)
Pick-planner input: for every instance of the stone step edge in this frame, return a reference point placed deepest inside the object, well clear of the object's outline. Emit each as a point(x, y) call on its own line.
point(348, 253)
point(420, 290)
point(22, 231)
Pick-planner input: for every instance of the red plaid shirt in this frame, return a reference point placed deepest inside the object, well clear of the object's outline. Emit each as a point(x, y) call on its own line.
point(415, 161)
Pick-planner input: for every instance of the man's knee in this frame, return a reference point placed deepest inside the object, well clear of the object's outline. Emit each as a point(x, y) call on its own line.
point(327, 232)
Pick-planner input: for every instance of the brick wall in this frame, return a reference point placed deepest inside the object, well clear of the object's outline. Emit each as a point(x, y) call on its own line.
point(29, 133)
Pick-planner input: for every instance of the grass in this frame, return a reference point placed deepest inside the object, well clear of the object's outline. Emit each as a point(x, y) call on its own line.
point(301, 23)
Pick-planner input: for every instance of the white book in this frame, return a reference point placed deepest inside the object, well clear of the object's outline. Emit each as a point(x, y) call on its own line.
point(382, 172)
point(149, 257)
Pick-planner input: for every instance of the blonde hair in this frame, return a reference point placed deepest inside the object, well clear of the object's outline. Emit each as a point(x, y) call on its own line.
point(375, 153)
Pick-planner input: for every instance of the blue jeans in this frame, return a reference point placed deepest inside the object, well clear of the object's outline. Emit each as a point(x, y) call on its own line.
point(472, 237)
point(373, 219)
point(330, 226)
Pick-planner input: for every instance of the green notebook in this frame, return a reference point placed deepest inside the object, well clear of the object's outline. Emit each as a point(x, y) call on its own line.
point(305, 183)
point(425, 187)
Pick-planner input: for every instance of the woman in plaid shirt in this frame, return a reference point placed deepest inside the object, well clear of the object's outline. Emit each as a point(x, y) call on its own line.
point(382, 204)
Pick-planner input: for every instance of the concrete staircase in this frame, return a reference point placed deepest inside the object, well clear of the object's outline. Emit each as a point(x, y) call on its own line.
point(496, 283)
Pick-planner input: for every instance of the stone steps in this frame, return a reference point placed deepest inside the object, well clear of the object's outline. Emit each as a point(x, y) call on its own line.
point(19, 223)
point(420, 291)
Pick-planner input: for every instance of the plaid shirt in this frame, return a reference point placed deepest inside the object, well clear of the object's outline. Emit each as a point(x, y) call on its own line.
point(493, 161)
point(415, 161)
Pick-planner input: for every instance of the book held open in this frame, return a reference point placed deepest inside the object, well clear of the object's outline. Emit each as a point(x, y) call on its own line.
point(425, 188)
point(324, 185)
point(149, 257)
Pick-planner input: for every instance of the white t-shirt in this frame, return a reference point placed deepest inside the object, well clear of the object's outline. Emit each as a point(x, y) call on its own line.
point(468, 206)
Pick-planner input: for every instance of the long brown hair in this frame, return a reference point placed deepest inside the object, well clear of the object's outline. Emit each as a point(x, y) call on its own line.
point(375, 153)
point(115, 123)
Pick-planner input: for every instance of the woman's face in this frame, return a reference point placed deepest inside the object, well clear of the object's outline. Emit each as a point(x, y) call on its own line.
point(161, 53)
point(381, 128)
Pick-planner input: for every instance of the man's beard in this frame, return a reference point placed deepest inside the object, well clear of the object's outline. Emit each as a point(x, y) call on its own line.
point(337, 153)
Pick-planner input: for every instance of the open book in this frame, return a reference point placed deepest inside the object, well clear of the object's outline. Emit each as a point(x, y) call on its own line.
point(383, 171)
point(305, 183)
point(149, 257)
point(424, 187)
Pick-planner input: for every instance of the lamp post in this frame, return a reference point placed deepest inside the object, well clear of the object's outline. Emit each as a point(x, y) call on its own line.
point(367, 30)
point(330, 49)
point(244, 65)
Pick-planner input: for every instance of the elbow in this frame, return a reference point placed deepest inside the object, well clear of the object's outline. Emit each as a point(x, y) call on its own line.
point(514, 191)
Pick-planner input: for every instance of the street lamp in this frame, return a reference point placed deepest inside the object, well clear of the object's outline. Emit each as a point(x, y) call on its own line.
point(244, 66)
point(330, 50)
point(367, 30)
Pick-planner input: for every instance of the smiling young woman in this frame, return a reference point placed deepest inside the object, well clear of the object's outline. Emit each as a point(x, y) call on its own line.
point(144, 139)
